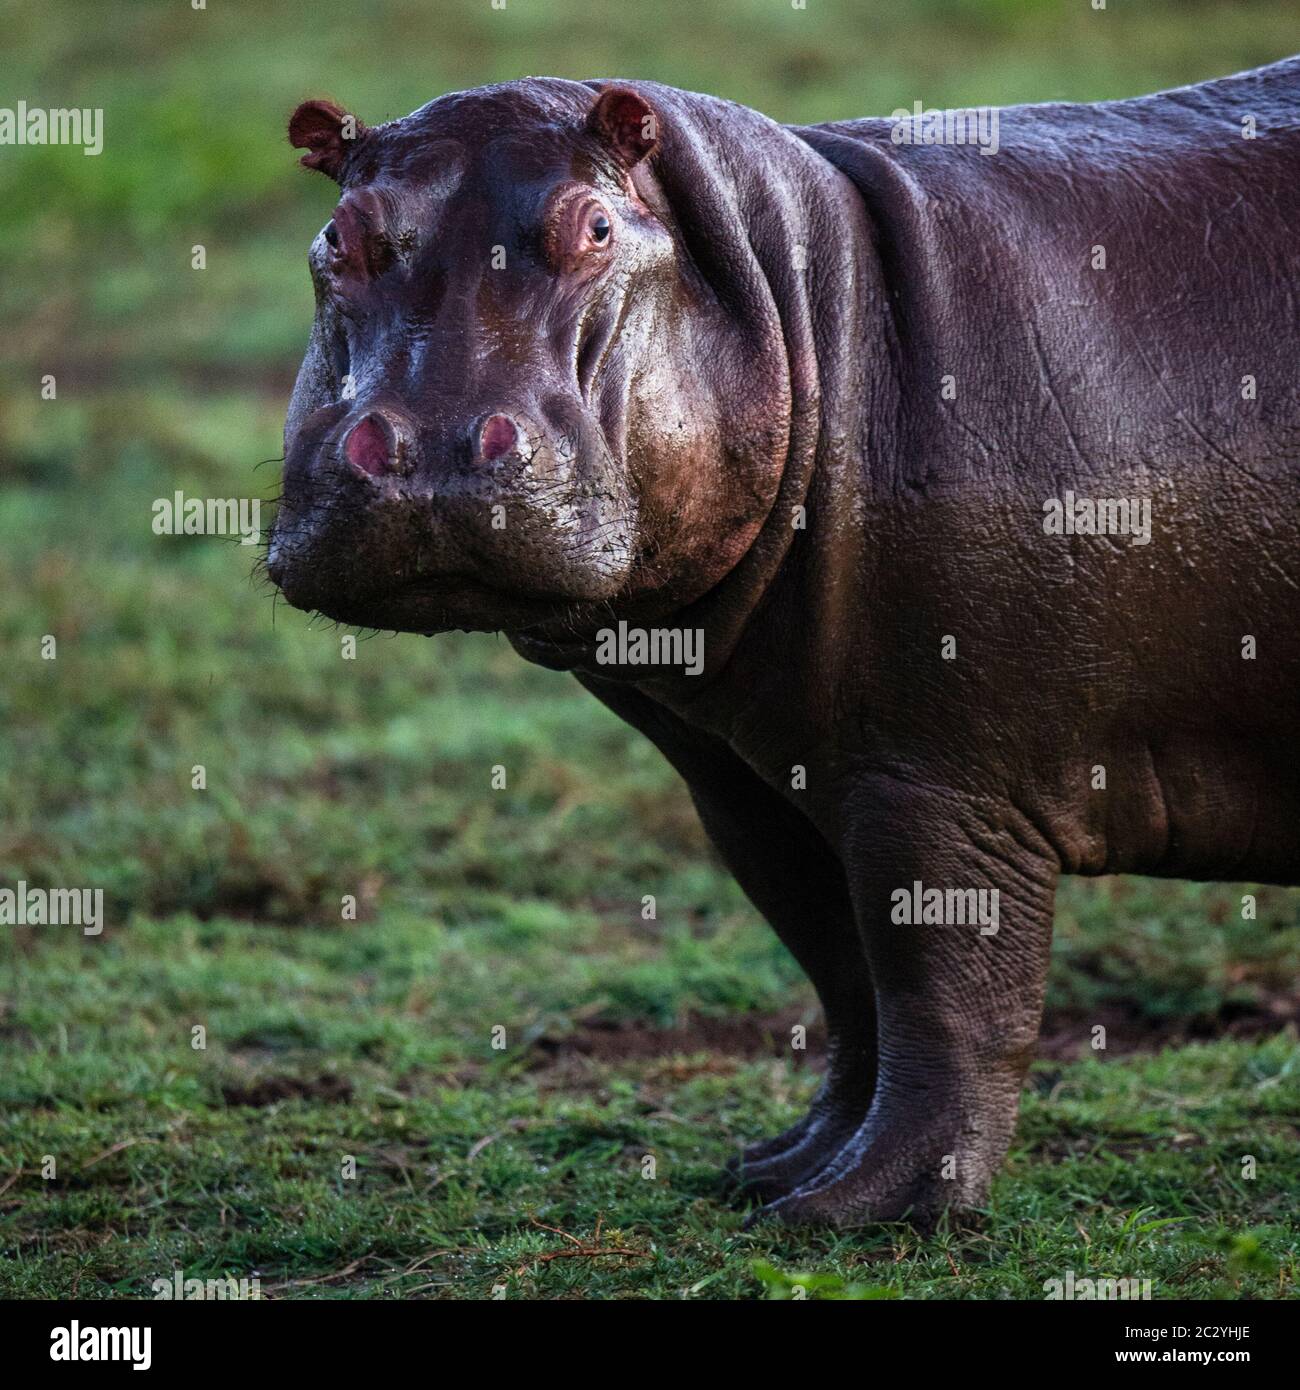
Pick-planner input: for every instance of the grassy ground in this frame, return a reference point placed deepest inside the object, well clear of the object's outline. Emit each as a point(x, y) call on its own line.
point(477, 909)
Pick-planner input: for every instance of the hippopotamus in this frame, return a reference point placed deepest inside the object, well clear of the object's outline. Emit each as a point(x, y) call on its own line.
point(933, 508)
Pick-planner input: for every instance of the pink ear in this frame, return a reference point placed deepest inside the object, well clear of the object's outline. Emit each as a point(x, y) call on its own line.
point(625, 123)
point(327, 132)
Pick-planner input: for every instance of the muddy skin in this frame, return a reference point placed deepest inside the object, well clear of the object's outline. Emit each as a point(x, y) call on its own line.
point(600, 353)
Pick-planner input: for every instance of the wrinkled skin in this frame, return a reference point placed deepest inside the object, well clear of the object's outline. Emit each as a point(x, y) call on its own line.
point(766, 326)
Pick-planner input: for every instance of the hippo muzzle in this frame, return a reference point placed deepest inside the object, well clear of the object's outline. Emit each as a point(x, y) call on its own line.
point(501, 520)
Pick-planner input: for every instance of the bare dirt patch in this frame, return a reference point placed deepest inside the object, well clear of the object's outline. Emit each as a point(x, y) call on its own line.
point(735, 1035)
point(1066, 1035)
point(270, 1090)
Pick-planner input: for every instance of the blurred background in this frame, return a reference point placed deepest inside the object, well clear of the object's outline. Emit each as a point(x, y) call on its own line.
point(370, 777)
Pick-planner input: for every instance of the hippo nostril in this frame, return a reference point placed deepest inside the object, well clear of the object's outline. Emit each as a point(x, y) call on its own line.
point(498, 436)
point(372, 447)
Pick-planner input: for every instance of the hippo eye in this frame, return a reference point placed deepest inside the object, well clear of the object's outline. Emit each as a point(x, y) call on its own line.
point(598, 226)
point(332, 235)
point(577, 232)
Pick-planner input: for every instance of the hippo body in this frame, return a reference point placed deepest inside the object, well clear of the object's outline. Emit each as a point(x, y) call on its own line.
point(979, 475)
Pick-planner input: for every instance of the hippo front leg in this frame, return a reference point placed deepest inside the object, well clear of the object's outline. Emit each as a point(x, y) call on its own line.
point(792, 875)
point(954, 898)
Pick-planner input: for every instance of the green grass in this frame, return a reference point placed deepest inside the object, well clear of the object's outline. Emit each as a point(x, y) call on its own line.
point(1127, 1168)
point(371, 778)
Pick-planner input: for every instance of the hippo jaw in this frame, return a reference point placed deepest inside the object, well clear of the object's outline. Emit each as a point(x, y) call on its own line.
point(456, 446)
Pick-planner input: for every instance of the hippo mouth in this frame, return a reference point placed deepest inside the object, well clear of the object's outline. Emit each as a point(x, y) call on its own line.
point(432, 603)
point(425, 604)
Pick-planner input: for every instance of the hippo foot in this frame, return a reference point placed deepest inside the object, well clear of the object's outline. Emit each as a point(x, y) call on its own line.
point(888, 1173)
point(781, 1171)
point(772, 1168)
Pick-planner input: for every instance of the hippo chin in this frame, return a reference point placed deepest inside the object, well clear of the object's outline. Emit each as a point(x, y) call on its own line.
point(937, 515)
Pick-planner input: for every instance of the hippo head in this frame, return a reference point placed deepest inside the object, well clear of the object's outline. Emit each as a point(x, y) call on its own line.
point(532, 394)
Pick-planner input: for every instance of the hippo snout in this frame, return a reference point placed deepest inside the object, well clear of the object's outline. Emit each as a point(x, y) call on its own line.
point(380, 445)
point(474, 518)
